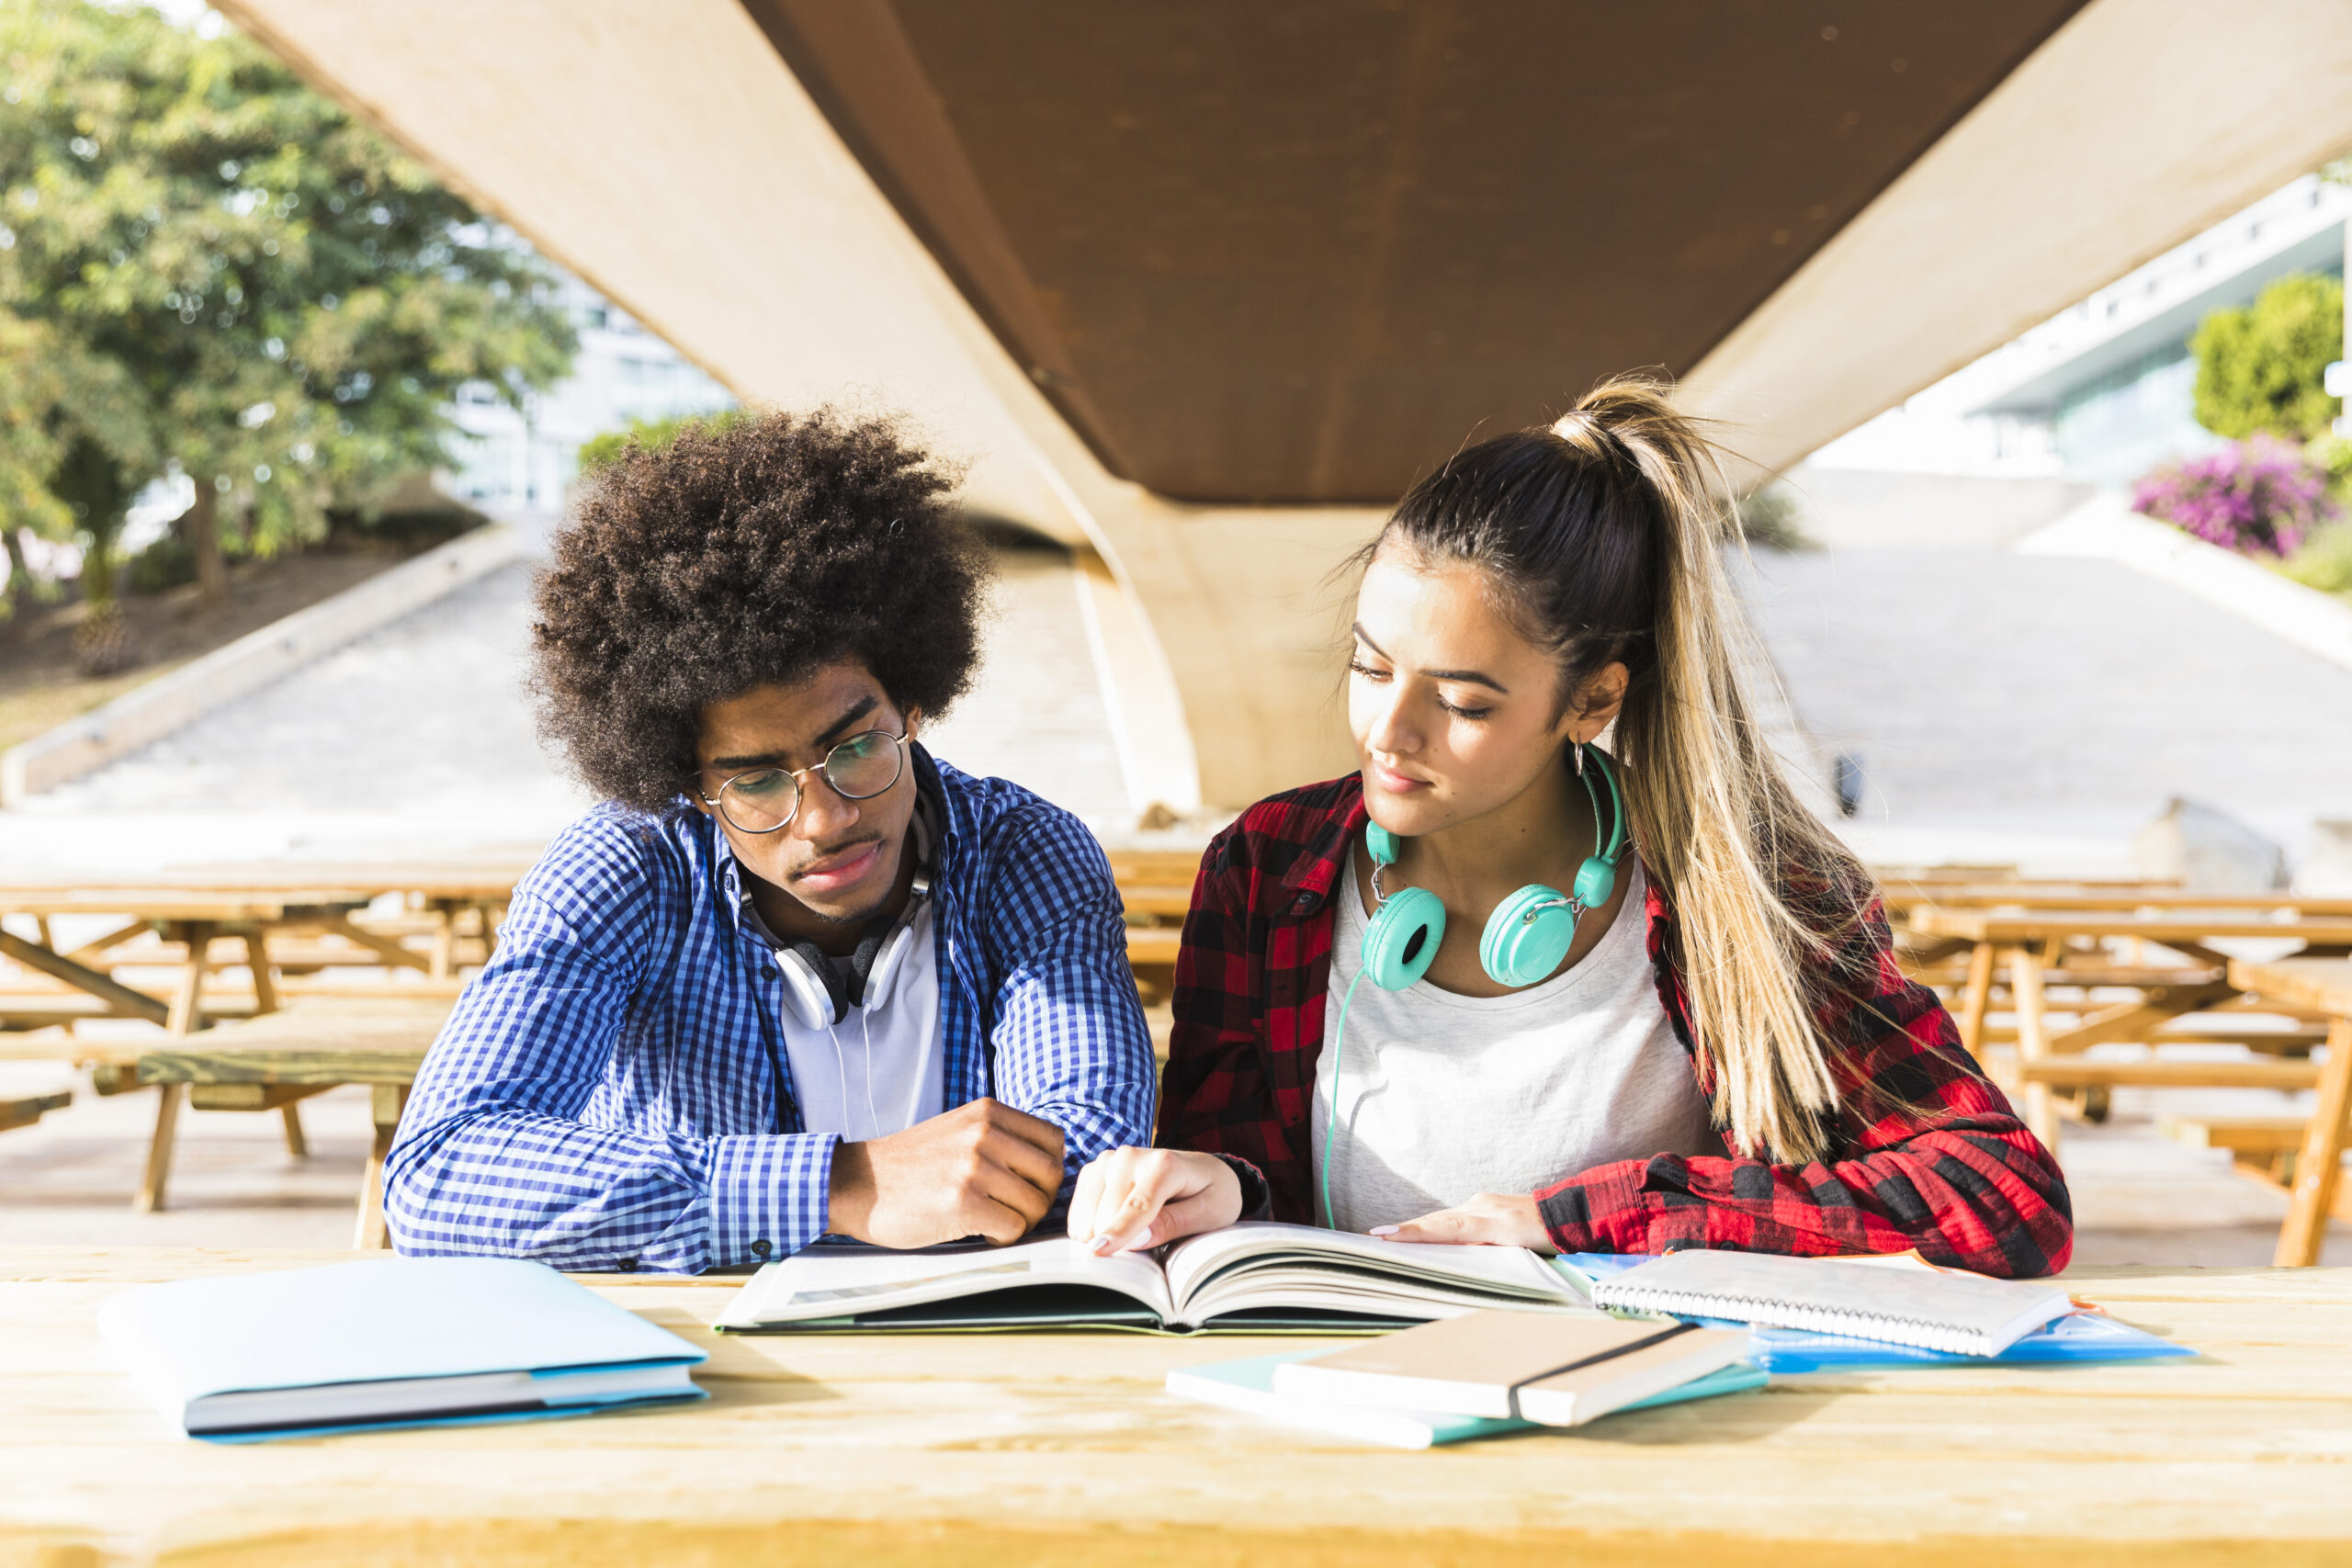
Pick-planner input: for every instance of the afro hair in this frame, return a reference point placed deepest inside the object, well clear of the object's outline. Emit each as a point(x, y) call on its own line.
point(743, 554)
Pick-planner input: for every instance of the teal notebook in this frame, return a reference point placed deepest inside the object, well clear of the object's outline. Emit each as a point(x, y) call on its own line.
point(1248, 1384)
point(406, 1341)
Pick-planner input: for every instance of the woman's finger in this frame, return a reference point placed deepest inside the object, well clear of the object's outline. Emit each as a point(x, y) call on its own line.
point(1456, 1227)
point(1159, 1178)
point(1084, 1198)
point(1187, 1216)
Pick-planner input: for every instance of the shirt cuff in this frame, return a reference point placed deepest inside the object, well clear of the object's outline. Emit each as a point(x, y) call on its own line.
point(1256, 1192)
point(768, 1195)
point(1612, 1207)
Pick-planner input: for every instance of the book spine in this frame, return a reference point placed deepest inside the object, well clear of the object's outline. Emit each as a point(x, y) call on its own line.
point(1788, 1315)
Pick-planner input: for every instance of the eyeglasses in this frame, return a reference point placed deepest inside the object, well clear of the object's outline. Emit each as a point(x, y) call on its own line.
point(767, 798)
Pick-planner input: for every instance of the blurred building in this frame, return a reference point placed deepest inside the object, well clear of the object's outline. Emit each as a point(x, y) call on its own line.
point(623, 373)
point(2102, 392)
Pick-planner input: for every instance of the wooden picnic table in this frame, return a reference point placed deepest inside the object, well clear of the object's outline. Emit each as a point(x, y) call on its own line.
point(279, 878)
point(2032, 945)
point(2059, 896)
point(2323, 984)
point(24, 1110)
point(1052, 1449)
point(190, 917)
point(272, 1061)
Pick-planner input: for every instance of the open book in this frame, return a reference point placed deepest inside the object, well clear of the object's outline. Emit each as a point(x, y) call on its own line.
point(1253, 1278)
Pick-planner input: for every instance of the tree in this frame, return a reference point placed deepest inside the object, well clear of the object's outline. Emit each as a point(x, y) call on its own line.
point(2261, 369)
point(291, 301)
point(651, 433)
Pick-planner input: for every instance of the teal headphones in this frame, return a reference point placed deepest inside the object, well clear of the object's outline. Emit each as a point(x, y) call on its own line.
point(1525, 938)
point(1528, 933)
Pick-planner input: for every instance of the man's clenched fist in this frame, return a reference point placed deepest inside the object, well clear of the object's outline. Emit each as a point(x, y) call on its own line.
point(982, 1169)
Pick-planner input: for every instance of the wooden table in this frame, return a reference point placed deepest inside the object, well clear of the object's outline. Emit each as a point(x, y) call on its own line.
point(947, 1450)
point(272, 1061)
point(2323, 984)
point(192, 917)
point(2032, 942)
point(23, 1111)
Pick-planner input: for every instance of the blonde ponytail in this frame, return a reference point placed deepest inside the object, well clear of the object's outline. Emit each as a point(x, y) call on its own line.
point(1607, 531)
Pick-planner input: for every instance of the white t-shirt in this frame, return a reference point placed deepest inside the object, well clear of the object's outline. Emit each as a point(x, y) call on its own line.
point(879, 1070)
point(1443, 1097)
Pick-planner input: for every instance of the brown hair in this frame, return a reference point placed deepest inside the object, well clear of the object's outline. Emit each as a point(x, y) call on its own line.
point(741, 555)
point(1602, 534)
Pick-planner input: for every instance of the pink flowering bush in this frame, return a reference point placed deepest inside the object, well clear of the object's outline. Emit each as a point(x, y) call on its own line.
point(2258, 496)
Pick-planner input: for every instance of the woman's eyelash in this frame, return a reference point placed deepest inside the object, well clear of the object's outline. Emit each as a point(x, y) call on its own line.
point(1368, 673)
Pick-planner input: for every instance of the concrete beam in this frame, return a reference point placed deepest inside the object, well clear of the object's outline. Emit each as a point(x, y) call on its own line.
point(2139, 124)
point(662, 150)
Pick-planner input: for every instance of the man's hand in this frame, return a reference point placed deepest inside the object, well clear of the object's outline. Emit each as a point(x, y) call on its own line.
point(1491, 1219)
point(1140, 1197)
point(983, 1169)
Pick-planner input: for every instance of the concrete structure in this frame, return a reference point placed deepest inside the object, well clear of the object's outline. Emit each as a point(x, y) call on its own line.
point(1287, 219)
point(158, 708)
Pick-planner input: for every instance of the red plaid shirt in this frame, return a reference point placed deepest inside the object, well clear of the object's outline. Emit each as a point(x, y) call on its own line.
point(1961, 1180)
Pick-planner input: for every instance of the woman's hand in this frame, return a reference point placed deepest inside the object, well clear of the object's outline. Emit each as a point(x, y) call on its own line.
point(1139, 1198)
point(1491, 1219)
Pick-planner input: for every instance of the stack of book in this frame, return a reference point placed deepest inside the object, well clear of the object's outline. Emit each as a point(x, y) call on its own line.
point(1479, 1375)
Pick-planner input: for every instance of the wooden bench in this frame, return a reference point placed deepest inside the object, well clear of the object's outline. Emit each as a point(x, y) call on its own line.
point(28, 1109)
point(274, 1061)
point(2262, 1148)
point(2036, 948)
point(2325, 986)
point(1152, 953)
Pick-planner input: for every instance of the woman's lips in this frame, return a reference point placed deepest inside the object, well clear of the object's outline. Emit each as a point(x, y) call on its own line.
point(834, 878)
point(1395, 782)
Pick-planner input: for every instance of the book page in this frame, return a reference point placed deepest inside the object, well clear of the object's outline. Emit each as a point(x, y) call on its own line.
point(829, 1281)
point(1262, 1264)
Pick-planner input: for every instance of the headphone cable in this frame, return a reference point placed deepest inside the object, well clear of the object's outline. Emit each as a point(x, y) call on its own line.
point(1331, 1128)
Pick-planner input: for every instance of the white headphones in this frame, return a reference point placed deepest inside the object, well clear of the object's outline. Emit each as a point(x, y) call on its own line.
point(815, 988)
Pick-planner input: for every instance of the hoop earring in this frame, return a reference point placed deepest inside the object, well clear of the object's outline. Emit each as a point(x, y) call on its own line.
point(1576, 747)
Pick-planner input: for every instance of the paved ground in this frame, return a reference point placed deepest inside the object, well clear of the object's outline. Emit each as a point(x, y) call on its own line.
point(2046, 700)
point(421, 734)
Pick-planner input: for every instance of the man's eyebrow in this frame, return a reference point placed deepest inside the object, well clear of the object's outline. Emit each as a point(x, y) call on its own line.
point(825, 742)
point(1473, 677)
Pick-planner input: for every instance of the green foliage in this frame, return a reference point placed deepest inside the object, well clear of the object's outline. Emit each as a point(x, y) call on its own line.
point(1771, 519)
point(2261, 370)
point(203, 262)
point(2324, 561)
point(651, 433)
point(168, 562)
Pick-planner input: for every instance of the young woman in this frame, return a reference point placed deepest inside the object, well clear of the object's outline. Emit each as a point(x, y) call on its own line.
point(1701, 1039)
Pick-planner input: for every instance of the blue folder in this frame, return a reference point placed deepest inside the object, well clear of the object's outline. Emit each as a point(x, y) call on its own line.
point(399, 1342)
point(2079, 1337)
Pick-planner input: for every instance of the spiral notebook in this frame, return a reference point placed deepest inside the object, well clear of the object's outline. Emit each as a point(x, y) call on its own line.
point(1940, 1310)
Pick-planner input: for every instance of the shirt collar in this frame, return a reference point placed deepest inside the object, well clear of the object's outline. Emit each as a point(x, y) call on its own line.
point(1316, 869)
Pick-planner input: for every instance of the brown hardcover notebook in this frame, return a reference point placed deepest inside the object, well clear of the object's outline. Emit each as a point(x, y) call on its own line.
point(1581, 1393)
point(1468, 1365)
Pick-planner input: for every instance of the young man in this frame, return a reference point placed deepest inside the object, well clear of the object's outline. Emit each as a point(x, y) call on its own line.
point(795, 977)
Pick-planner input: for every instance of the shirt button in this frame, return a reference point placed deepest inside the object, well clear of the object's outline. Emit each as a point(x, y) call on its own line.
point(627, 1266)
point(1306, 902)
point(760, 1248)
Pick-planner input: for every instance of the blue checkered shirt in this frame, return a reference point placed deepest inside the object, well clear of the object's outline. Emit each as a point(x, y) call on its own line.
point(613, 1092)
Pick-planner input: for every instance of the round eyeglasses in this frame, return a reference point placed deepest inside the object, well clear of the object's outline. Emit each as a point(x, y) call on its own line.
point(765, 799)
